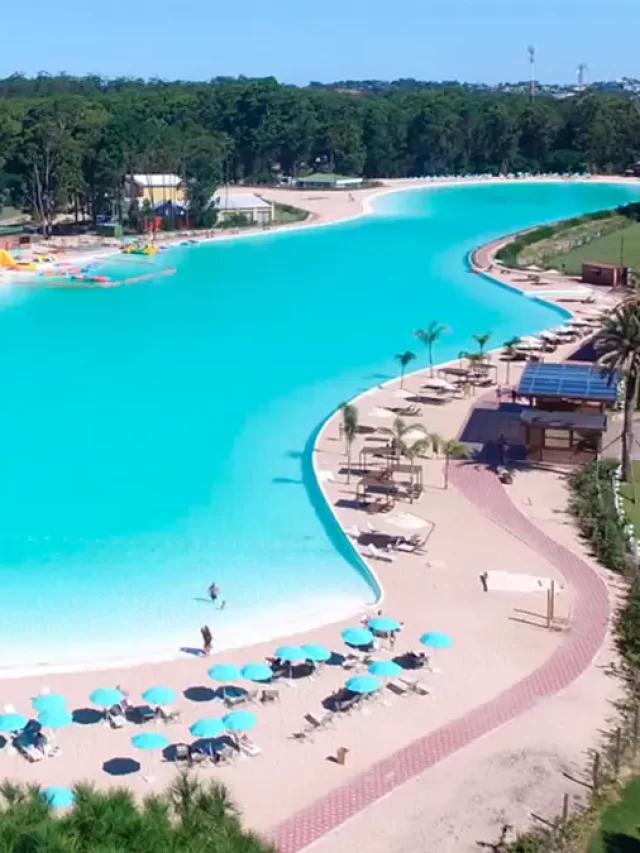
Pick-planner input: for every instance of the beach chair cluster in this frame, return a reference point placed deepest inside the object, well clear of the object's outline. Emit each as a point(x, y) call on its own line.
point(35, 746)
point(216, 753)
point(119, 715)
point(252, 697)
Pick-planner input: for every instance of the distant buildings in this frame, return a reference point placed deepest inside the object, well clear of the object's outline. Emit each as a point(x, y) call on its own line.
point(156, 189)
point(252, 207)
point(326, 180)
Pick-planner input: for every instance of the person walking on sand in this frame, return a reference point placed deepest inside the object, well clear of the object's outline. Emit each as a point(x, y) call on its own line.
point(207, 640)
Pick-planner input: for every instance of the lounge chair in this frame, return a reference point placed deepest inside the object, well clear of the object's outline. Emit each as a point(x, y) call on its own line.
point(398, 688)
point(182, 754)
point(304, 735)
point(320, 723)
point(144, 714)
point(242, 699)
point(248, 747)
point(23, 744)
point(377, 554)
point(169, 715)
point(350, 662)
point(225, 755)
point(116, 717)
point(411, 545)
point(268, 696)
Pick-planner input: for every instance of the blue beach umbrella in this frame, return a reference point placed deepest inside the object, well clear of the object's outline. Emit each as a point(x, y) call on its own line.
point(363, 684)
point(55, 718)
point(58, 797)
point(224, 672)
point(12, 722)
point(48, 702)
point(384, 624)
point(105, 697)
point(159, 696)
point(208, 727)
point(240, 721)
point(317, 653)
point(357, 636)
point(257, 672)
point(150, 740)
point(385, 668)
point(436, 640)
point(291, 654)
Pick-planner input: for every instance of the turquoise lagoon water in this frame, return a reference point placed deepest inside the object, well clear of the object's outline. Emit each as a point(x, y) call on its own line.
point(157, 437)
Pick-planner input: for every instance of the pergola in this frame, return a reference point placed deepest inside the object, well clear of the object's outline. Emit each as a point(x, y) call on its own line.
point(566, 417)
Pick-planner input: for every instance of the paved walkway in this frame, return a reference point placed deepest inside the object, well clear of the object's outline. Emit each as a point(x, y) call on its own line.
point(591, 614)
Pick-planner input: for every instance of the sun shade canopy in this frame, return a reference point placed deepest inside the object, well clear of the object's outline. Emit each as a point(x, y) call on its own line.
point(569, 382)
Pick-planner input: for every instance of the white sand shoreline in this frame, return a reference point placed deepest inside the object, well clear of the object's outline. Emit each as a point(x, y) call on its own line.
point(266, 629)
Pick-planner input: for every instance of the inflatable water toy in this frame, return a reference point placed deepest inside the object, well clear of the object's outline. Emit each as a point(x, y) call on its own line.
point(140, 249)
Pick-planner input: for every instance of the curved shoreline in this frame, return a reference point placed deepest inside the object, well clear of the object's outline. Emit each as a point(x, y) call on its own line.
point(369, 572)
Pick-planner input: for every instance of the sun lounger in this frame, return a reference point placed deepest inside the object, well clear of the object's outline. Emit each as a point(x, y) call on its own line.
point(268, 696)
point(320, 723)
point(376, 554)
point(116, 717)
point(248, 747)
point(398, 688)
point(27, 748)
point(242, 699)
point(304, 735)
point(182, 754)
point(350, 662)
point(169, 715)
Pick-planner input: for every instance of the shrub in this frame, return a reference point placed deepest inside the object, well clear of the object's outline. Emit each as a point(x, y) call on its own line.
point(592, 505)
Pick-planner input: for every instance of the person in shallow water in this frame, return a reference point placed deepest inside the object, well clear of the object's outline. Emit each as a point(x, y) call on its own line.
point(207, 640)
point(214, 592)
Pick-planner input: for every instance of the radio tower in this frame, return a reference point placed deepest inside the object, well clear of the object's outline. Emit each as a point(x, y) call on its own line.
point(532, 72)
point(582, 70)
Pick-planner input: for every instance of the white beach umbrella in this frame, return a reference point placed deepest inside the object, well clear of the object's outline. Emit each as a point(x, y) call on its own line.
point(439, 384)
point(407, 521)
point(412, 436)
point(379, 412)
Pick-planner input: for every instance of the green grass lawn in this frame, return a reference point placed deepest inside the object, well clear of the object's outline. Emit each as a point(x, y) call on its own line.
point(627, 491)
point(619, 830)
point(611, 249)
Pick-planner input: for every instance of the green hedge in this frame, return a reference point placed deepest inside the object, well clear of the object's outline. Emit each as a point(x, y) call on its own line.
point(509, 254)
point(592, 505)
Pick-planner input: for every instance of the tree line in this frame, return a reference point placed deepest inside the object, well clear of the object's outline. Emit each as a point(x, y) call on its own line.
point(67, 142)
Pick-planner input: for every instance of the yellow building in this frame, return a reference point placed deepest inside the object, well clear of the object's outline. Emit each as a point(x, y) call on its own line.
point(156, 189)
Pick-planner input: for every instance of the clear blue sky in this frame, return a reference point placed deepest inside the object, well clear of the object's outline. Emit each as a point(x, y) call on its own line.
point(472, 40)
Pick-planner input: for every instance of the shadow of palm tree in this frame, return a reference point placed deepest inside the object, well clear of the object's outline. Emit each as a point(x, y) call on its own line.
point(618, 842)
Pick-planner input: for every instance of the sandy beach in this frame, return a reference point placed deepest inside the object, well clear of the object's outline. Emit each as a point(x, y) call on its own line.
point(504, 770)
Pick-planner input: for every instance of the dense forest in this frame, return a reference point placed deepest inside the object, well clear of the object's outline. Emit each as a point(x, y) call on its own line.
point(67, 142)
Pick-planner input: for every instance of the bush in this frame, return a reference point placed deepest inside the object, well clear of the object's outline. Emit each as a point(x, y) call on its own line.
point(592, 505)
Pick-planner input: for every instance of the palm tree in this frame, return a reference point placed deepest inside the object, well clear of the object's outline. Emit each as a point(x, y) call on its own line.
point(452, 449)
point(482, 341)
point(429, 337)
point(349, 430)
point(509, 351)
point(404, 359)
point(190, 816)
point(410, 448)
point(617, 346)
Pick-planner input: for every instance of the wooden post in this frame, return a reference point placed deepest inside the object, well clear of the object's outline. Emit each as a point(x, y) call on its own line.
point(548, 609)
point(552, 597)
point(617, 754)
point(565, 808)
point(341, 756)
point(596, 772)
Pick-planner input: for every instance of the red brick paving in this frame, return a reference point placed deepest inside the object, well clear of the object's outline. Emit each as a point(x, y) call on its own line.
point(590, 617)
